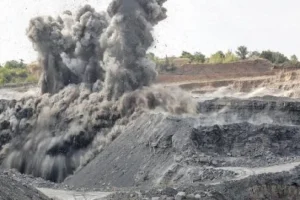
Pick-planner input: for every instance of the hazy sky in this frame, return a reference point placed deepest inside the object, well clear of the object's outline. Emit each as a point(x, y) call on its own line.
point(192, 25)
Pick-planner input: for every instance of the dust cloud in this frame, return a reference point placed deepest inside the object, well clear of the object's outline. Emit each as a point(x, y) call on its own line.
point(96, 78)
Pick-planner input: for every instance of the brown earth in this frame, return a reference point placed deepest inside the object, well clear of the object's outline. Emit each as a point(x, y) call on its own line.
point(244, 76)
point(191, 72)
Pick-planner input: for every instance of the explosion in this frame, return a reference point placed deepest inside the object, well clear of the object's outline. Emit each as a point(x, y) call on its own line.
point(98, 49)
point(96, 78)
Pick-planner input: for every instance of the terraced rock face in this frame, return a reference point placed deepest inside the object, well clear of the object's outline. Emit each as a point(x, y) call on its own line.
point(248, 140)
point(160, 150)
point(227, 140)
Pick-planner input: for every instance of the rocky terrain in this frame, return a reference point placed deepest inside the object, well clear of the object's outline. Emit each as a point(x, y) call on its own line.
point(13, 189)
point(230, 149)
point(100, 127)
point(233, 145)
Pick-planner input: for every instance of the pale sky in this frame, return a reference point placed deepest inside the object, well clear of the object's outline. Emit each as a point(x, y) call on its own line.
point(192, 25)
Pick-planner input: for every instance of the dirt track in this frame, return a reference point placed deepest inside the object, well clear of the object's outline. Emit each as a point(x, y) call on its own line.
point(73, 195)
point(245, 172)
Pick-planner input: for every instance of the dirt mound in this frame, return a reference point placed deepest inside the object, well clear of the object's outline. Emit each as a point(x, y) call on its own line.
point(191, 72)
point(138, 156)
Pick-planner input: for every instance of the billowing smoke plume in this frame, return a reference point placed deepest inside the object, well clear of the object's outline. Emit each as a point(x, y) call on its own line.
point(72, 48)
point(96, 79)
point(126, 41)
point(69, 48)
point(45, 33)
point(52, 133)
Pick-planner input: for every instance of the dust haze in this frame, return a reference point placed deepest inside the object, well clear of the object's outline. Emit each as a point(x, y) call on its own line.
point(96, 78)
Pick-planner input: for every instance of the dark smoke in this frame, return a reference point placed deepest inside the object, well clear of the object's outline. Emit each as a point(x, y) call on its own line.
point(45, 33)
point(126, 41)
point(71, 53)
point(96, 79)
point(85, 59)
point(50, 142)
point(69, 48)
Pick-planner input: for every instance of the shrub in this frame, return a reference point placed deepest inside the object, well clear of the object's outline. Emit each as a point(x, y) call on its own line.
point(242, 52)
point(15, 72)
point(218, 57)
point(230, 57)
point(274, 57)
point(199, 57)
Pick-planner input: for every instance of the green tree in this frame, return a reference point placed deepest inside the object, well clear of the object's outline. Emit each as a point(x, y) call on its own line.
point(274, 57)
point(267, 55)
point(230, 57)
point(294, 59)
point(13, 64)
point(188, 55)
point(199, 57)
point(242, 52)
point(280, 58)
point(217, 57)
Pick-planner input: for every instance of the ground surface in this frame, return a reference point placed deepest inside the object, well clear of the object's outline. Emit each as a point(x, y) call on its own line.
point(241, 79)
point(243, 143)
point(10, 189)
point(194, 72)
point(73, 195)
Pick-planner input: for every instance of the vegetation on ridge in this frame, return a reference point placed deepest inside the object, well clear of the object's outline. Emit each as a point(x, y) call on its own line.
point(242, 53)
point(16, 72)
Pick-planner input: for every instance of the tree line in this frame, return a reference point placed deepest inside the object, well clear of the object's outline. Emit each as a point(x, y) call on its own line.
point(241, 53)
point(18, 72)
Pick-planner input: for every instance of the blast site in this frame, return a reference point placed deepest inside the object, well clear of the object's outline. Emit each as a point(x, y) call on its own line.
point(104, 123)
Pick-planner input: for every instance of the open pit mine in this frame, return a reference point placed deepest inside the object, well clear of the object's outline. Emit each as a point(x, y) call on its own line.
point(104, 125)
